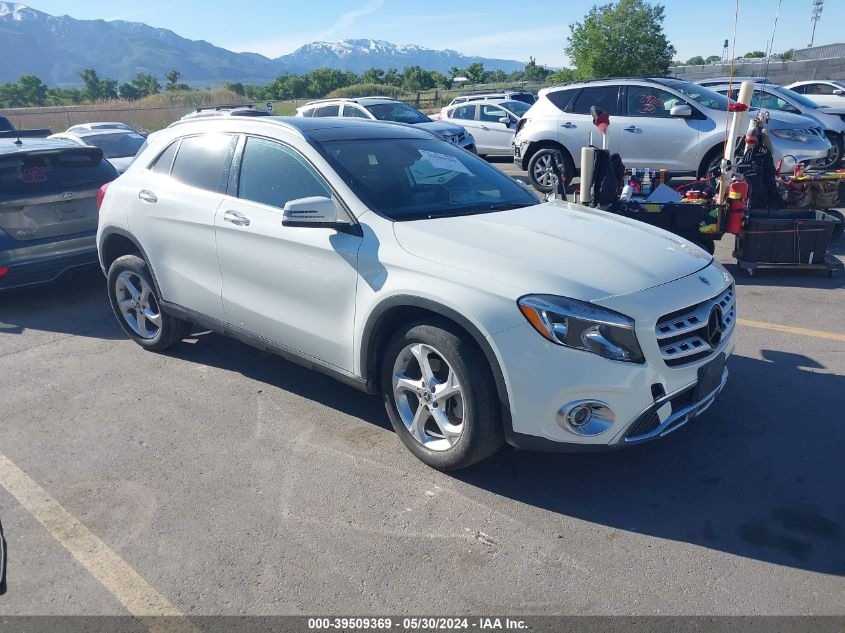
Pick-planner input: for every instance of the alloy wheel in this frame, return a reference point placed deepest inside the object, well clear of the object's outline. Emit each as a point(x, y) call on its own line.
point(544, 171)
point(428, 397)
point(138, 305)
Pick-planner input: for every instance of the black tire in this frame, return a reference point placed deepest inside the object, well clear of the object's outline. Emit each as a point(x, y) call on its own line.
point(835, 158)
point(170, 331)
point(481, 429)
point(564, 162)
point(839, 228)
point(713, 158)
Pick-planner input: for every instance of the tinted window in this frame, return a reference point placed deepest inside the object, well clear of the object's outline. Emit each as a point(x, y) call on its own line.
point(650, 101)
point(5, 125)
point(116, 145)
point(704, 96)
point(204, 161)
point(524, 97)
point(308, 112)
point(412, 179)
point(517, 107)
point(820, 89)
point(24, 175)
point(466, 113)
point(561, 98)
point(272, 174)
point(603, 97)
point(352, 111)
point(800, 89)
point(164, 162)
point(397, 111)
point(491, 114)
point(329, 110)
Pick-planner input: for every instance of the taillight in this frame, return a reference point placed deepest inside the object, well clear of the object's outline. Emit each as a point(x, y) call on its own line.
point(101, 194)
point(3, 271)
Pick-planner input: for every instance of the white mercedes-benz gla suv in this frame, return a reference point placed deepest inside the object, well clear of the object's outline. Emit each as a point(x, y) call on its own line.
point(406, 266)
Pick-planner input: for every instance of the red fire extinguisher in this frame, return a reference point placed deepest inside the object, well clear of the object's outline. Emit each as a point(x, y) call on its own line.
point(737, 195)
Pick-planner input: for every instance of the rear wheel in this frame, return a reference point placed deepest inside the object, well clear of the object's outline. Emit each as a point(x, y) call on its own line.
point(438, 393)
point(541, 172)
point(835, 156)
point(137, 307)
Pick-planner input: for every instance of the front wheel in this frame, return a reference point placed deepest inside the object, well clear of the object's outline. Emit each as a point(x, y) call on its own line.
point(439, 394)
point(541, 172)
point(836, 150)
point(137, 307)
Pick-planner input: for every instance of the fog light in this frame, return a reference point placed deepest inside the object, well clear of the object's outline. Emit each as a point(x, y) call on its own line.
point(586, 417)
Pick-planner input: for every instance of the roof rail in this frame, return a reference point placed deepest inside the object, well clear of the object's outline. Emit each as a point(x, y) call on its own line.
point(225, 106)
point(259, 119)
point(313, 101)
point(588, 81)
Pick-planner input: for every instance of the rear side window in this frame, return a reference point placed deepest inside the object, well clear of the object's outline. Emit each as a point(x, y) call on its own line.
point(38, 174)
point(272, 174)
point(463, 112)
point(603, 97)
point(204, 161)
point(309, 112)
point(561, 98)
point(164, 162)
point(352, 111)
point(329, 110)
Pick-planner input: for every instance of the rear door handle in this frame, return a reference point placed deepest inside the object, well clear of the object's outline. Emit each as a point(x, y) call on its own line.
point(569, 125)
point(236, 218)
point(147, 196)
point(631, 128)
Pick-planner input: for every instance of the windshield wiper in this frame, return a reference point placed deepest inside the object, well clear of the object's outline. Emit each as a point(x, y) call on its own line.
point(505, 206)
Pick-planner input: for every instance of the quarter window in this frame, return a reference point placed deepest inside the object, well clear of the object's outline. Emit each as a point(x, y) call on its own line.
point(561, 98)
point(329, 110)
point(204, 161)
point(603, 97)
point(164, 162)
point(272, 174)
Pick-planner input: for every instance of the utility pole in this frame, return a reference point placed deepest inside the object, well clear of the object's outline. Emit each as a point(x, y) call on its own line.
point(816, 14)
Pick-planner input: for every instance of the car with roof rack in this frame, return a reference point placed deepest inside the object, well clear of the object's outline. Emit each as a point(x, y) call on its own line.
point(98, 125)
point(409, 268)
point(656, 123)
point(387, 109)
point(48, 209)
point(511, 95)
point(238, 109)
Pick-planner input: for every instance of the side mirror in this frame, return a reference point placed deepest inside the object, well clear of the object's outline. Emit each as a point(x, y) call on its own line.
point(839, 92)
point(506, 120)
point(791, 108)
point(681, 110)
point(787, 164)
point(314, 211)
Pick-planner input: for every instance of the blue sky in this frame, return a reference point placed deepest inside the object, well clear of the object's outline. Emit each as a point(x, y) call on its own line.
point(492, 28)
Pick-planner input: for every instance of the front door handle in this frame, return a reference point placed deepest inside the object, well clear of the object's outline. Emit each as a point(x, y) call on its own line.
point(569, 125)
point(147, 196)
point(236, 218)
point(484, 127)
point(631, 128)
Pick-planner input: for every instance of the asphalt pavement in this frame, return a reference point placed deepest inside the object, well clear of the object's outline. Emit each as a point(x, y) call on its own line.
point(217, 479)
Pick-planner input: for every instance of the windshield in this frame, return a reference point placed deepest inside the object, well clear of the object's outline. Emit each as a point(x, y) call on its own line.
point(414, 179)
point(116, 145)
point(517, 107)
point(398, 112)
point(701, 95)
point(790, 94)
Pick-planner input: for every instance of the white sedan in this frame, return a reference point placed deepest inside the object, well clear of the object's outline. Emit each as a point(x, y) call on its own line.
point(825, 92)
point(491, 121)
point(119, 145)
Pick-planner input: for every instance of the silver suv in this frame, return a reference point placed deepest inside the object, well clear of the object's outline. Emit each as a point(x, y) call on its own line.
point(660, 123)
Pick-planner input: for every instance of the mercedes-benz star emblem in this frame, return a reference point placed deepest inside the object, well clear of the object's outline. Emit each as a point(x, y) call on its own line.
point(715, 327)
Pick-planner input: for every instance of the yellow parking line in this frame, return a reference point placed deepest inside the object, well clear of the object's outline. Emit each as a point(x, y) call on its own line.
point(792, 330)
point(127, 585)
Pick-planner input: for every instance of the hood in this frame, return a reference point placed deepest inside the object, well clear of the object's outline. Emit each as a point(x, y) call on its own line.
point(440, 128)
point(780, 120)
point(555, 248)
point(837, 110)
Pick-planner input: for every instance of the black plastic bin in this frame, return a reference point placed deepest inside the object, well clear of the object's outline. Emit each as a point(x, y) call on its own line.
point(787, 236)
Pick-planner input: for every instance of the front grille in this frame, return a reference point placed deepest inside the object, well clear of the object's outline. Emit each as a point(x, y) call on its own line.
point(646, 423)
point(650, 420)
point(686, 335)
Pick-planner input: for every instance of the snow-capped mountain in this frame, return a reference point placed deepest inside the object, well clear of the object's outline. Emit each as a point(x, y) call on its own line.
point(57, 48)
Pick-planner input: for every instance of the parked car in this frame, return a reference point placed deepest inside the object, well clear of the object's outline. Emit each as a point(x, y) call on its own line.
point(825, 92)
point(490, 121)
point(660, 123)
point(98, 125)
point(405, 266)
point(775, 99)
point(48, 210)
point(510, 95)
point(7, 130)
point(387, 109)
point(119, 146)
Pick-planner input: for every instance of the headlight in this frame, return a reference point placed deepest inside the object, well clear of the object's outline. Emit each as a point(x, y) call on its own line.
point(801, 136)
point(583, 326)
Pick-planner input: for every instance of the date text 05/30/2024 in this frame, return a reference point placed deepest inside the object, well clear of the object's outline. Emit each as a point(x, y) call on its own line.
point(416, 624)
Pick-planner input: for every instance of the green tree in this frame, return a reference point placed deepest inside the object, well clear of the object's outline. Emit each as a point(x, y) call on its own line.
point(712, 58)
point(698, 60)
point(32, 90)
point(755, 55)
point(391, 77)
point(454, 71)
point(624, 38)
point(172, 77)
point(787, 55)
point(562, 76)
point(475, 72)
point(440, 80)
point(92, 83)
point(535, 73)
point(128, 91)
point(414, 78)
point(373, 76)
point(237, 87)
point(146, 85)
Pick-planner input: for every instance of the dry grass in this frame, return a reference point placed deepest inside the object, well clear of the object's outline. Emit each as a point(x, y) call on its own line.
point(147, 115)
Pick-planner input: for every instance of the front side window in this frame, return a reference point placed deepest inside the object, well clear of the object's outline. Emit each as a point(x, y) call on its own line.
point(518, 108)
point(204, 161)
point(354, 112)
point(273, 174)
point(491, 114)
point(650, 101)
point(820, 89)
point(413, 179)
point(397, 111)
point(603, 97)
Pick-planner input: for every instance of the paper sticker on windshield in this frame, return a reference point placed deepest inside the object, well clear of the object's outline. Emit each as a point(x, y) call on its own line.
point(444, 161)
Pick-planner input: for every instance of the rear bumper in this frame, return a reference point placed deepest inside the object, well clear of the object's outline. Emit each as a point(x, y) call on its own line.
point(29, 265)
